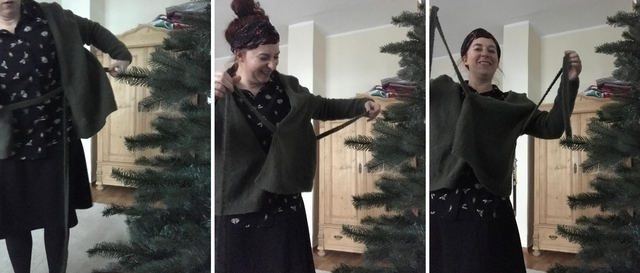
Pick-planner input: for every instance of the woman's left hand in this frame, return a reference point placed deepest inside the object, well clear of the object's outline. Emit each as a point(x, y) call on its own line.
point(575, 64)
point(373, 109)
point(117, 66)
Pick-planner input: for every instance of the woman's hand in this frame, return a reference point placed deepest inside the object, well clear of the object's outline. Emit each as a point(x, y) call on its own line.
point(224, 83)
point(117, 66)
point(373, 109)
point(575, 64)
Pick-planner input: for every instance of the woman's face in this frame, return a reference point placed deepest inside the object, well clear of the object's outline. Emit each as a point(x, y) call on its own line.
point(256, 65)
point(482, 58)
point(10, 7)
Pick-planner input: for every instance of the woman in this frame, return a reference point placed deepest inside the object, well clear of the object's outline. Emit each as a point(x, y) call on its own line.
point(261, 224)
point(42, 63)
point(473, 138)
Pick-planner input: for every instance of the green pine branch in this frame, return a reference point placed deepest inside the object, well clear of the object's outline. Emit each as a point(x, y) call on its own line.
point(134, 76)
point(395, 242)
point(609, 240)
point(359, 142)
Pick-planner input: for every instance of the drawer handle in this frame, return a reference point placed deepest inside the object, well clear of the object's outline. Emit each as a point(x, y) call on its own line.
point(338, 237)
point(575, 168)
point(360, 168)
point(553, 237)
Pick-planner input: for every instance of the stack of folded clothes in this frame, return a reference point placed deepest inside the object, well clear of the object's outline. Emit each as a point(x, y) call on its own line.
point(391, 87)
point(607, 87)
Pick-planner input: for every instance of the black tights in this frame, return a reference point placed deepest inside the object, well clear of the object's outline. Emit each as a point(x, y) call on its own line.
point(19, 245)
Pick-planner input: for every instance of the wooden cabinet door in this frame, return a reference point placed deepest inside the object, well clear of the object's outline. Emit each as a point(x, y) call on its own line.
point(557, 174)
point(342, 174)
point(555, 171)
point(127, 120)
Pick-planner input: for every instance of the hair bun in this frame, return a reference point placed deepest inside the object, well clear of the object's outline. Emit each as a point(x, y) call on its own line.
point(246, 8)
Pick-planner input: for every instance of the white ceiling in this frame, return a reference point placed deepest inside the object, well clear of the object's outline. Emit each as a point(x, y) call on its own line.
point(330, 16)
point(458, 17)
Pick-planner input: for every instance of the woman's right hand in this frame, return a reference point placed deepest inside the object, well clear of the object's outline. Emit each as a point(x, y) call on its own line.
point(224, 83)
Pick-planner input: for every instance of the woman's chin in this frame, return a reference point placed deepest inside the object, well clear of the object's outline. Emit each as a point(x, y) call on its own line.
point(264, 78)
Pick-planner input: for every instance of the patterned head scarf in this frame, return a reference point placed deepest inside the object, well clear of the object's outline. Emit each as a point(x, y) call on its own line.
point(475, 34)
point(253, 34)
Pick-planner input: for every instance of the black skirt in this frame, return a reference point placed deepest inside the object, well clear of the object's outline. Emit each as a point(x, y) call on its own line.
point(275, 239)
point(473, 230)
point(31, 191)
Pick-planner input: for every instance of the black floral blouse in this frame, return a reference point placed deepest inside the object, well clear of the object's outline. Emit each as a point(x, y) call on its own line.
point(29, 68)
point(470, 200)
point(273, 103)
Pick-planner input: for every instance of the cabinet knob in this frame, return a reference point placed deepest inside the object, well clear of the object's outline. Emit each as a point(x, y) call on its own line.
point(360, 168)
point(575, 168)
point(338, 237)
point(553, 237)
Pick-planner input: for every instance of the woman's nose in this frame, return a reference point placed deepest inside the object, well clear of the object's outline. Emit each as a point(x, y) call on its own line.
point(272, 64)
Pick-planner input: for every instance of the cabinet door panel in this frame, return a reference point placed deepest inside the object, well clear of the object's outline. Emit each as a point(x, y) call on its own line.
point(557, 180)
point(340, 175)
point(557, 174)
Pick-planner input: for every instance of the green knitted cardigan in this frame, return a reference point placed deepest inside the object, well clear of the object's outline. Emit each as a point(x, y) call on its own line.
point(86, 85)
point(244, 173)
point(482, 132)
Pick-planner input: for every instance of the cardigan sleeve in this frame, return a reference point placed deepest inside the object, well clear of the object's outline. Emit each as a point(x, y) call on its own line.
point(550, 125)
point(93, 33)
point(332, 109)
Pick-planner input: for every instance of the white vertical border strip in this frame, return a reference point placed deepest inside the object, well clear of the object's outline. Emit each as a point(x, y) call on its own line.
point(426, 146)
point(213, 203)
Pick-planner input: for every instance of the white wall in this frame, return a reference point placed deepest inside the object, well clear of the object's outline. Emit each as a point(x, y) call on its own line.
point(583, 41)
point(550, 53)
point(521, 58)
point(123, 15)
point(355, 63)
point(119, 16)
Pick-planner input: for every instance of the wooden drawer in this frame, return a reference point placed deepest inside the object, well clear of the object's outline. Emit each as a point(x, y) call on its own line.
point(549, 240)
point(335, 240)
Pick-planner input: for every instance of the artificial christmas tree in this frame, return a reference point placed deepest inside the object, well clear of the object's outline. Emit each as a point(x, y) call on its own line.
point(395, 241)
point(170, 222)
point(610, 241)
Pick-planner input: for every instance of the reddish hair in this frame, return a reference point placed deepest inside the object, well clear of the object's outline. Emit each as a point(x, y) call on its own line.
point(248, 12)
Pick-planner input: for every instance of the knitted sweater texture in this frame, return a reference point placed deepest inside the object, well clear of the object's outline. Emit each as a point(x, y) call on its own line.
point(482, 132)
point(85, 83)
point(244, 173)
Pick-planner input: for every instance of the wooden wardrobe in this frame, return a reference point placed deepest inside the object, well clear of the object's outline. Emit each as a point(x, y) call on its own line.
point(557, 174)
point(127, 120)
point(342, 174)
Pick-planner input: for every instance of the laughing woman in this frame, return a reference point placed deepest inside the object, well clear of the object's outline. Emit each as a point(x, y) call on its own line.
point(261, 224)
